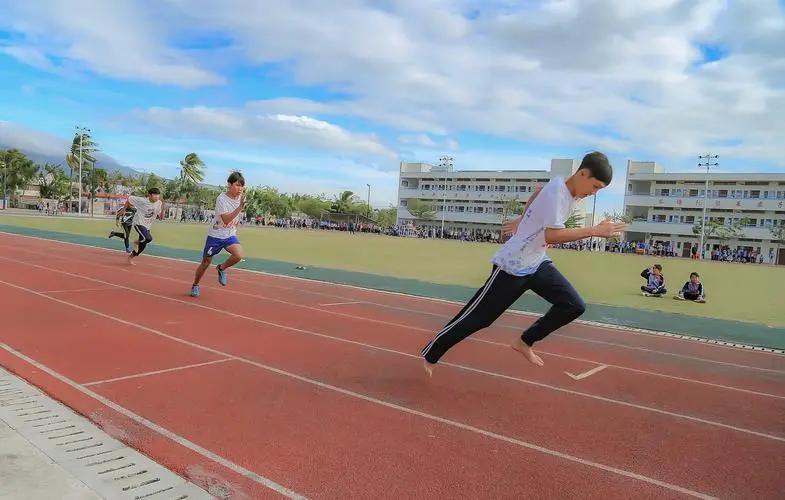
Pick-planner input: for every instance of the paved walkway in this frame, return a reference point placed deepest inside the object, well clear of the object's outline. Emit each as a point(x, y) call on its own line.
point(43, 455)
point(30, 474)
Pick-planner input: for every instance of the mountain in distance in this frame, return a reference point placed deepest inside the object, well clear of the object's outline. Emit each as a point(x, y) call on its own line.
point(101, 161)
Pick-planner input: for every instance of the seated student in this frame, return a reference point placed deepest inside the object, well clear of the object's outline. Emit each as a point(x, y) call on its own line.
point(656, 282)
point(692, 290)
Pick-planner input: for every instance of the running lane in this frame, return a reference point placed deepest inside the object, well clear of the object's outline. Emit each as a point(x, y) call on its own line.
point(670, 446)
point(314, 439)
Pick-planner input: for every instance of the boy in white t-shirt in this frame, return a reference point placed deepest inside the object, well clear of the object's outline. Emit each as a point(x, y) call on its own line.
point(522, 264)
point(147, 210)
point(222, 235)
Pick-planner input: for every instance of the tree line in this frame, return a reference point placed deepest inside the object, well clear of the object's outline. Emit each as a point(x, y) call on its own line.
point(56, 182)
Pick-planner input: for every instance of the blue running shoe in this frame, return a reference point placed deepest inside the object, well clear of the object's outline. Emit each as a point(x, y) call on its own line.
point(195, 291)
point(221, 275)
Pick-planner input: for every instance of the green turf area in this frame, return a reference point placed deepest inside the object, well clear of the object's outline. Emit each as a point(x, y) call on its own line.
point(610, 283)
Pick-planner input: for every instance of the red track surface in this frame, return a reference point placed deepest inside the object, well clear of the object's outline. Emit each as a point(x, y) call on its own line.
point(297, 387)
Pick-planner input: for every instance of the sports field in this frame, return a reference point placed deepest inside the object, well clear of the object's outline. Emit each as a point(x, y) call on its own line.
point(737, 292)
point(282, 387)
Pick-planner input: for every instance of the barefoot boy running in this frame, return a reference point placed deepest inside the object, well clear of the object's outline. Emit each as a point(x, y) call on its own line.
point(522, 264)
point(223, 233)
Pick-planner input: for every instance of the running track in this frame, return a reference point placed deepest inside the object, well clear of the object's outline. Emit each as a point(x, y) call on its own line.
point(279, 387)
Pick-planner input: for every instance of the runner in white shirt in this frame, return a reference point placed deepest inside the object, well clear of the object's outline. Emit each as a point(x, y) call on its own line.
point(147, 210)
point(222, 235)
point(522, 264)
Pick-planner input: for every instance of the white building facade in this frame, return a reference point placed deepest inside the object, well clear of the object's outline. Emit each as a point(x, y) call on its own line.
point(665, 206)
point(472, 200)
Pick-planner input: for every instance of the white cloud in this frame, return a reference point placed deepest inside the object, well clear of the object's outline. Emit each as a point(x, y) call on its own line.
point(553, 72)
point(16, 136)
point(276, 130)
point(617, 75)
point(121, 39)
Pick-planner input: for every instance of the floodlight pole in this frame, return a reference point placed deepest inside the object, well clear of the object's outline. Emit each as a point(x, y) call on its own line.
point(5, 176)
point(445, 162)
point(708, 164)
point(81, 131)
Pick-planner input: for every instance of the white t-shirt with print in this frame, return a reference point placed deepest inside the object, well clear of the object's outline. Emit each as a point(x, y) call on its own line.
point(224, 205)
point(146, 210)
point(523, 253)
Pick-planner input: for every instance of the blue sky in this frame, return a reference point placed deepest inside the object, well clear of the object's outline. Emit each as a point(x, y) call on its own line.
point(318, 98)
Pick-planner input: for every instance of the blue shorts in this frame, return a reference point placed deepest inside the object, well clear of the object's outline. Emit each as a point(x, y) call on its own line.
point(213, 246)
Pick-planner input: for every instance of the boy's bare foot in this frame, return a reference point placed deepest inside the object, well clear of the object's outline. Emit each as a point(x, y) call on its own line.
point(131, 259)
point(428, 368)
point(527, 352)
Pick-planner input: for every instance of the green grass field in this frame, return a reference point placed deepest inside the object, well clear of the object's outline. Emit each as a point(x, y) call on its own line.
point(742, 292)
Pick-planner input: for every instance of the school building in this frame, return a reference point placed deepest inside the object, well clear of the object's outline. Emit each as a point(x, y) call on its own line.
point(471, 200)
point(665, 207)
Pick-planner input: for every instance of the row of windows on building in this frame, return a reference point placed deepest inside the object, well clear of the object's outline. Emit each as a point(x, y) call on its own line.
point(727, 221)
point(480, 188)
point(478, 207)
point(740, 194)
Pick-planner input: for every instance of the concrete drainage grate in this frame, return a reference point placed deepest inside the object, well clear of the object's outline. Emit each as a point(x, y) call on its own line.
point(103, 463)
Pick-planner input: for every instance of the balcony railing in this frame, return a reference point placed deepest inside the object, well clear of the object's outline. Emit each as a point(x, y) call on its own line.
point(648, 200)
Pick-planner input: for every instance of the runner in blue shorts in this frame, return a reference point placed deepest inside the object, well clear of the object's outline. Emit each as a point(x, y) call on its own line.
point(222, 235)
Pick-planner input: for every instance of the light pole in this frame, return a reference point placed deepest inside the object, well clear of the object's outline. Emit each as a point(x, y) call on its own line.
point(445, 162)
point(369, 200)
point(5, 175)
point(708, 164)
point(82, 131)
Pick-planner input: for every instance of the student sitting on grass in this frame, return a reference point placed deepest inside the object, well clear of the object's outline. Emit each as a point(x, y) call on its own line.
point(692, 290)
point(656, 282)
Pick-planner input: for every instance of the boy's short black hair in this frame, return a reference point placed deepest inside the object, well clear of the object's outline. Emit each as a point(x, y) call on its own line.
point(153, 191)
point(598, 166)
point(694, 274)
point(236, 177)
point(658, 267)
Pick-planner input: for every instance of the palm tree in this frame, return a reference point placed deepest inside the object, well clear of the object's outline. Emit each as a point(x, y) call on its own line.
point(192, 168)
point(343, 203)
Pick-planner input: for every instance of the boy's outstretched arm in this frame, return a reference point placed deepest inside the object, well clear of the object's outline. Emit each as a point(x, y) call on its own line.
point(604, 229)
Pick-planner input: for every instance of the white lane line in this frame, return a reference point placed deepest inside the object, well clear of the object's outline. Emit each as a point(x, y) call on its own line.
point(156, 372)
point(383, 349)
point(472, 339)
point(341, 303)
point(281, 489)
point(587, 374)
point(419, 298)
point(76, 290)
point(269, 483)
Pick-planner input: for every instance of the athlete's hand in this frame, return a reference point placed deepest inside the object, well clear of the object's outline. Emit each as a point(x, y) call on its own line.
point(242, 200)
point(510, 226)
point(609, 228)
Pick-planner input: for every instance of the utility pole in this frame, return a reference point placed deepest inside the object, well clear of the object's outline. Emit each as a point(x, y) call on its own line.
point(708, 164)
point(445, 162)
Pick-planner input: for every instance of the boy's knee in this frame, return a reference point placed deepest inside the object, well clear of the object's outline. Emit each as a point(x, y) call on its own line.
point(575, 307)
